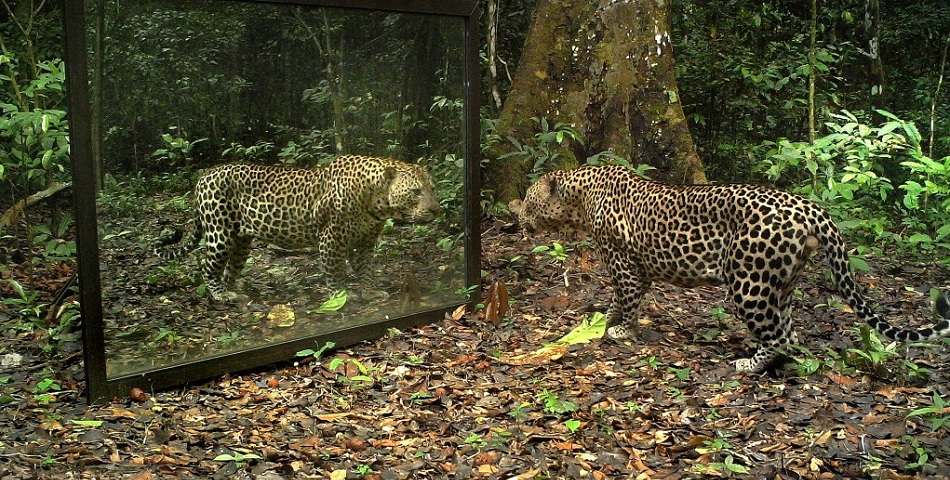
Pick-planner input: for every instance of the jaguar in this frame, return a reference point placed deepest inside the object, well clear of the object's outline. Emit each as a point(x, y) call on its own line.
point(755, 240)
point(338, 210)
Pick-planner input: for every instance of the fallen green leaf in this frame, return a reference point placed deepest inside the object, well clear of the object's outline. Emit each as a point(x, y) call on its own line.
point(590, 329)
point(334, 303)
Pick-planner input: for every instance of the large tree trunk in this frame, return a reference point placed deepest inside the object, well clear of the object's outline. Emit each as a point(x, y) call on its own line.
point(606, 68)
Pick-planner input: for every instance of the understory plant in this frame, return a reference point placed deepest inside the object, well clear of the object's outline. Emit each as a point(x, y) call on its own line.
point(876, 181)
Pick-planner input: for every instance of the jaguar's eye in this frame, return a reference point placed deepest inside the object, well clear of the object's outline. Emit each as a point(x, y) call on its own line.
point(416, 191)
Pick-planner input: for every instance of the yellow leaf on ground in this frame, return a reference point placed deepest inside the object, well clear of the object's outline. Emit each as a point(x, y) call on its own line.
point(281, 316)
point(338, 475)
point(541, 356)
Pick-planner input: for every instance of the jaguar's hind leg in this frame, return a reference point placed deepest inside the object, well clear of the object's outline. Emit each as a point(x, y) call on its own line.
point(212, 269)
point(221, 252)
point(236, 260)
point(766, 311)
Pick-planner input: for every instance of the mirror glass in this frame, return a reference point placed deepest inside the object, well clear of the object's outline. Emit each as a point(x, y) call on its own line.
point(306, 240)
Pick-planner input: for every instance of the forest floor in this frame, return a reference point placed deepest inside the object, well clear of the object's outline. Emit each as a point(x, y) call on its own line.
point(450, 400)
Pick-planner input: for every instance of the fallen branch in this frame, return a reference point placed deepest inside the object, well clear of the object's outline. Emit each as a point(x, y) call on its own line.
point(19, 207)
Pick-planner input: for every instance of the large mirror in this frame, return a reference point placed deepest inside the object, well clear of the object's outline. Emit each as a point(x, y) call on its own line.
point(265, 177)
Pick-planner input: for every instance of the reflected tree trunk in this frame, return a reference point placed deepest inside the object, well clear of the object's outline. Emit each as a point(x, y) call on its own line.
point(96, 90)
point(607, 69)
point(419, 86)
point(331, 60)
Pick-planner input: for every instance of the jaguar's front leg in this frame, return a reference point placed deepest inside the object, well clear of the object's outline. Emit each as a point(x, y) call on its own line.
point(332, 257)
point(629, 286)
point(362, 255)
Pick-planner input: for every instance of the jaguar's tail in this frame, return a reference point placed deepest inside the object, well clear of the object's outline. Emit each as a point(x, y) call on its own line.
point(837, 257)
point(163, 251)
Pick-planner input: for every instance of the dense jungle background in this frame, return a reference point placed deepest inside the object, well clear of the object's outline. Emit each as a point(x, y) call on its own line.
point(842, 102)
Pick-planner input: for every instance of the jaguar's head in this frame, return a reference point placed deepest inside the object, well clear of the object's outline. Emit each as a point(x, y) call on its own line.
point(550, 205)
point(411, 195)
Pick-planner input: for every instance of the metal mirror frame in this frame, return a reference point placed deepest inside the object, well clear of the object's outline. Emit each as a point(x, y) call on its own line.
point(101, 388)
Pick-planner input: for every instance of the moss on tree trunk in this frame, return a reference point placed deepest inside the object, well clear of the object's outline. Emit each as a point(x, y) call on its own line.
point(607, 69)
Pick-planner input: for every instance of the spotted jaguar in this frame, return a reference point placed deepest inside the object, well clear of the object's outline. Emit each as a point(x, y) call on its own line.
point(338, 210)
point(753, 239)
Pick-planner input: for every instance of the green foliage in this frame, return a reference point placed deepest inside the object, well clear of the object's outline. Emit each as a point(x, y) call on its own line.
point(448, 172)
point(652, 362)
point(743, 77)
point(336, 301)
point(722, 463)
point(316, 354)
point(572, 425)
point(53, 247)
point(936, 414)
point(363, 379)
point(177, 151)
point(547, 152)
point(553, 404)
point(27, 305)
point(874, 354)
point(238, 458)
point(682, 374)
point(880, 360)
point(34, 134)
point(555, 251)
point(853, 172)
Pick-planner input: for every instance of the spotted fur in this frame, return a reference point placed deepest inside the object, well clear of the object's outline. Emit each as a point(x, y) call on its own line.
point(339, 210)
point(753, 239)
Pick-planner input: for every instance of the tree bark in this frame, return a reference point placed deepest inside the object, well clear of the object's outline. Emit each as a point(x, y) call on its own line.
point(607, 69)
point(872, 25)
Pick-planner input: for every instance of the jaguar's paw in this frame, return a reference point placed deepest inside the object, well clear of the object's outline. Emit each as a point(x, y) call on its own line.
point(745, 365)
point(618, 332)
point(229, 297)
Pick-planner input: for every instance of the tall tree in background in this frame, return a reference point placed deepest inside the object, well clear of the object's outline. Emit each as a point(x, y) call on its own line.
point(607, 69)
point(872, 25)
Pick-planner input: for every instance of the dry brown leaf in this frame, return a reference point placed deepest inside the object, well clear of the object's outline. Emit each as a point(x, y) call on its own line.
point(485, 458)
point(310, 442)
point(566, 446)
point(384, 442)
point(823, 438)
point(887, 474)
point(121, 412)
point(694, 442)
point(461, 360)
point(842, 380)
point(529, 475)
point(459, 312)
point(338, 474)
point(330, 417)
point(778, 446)
point(890, 391)
point(639, 465)
point(536, 357)
point(718, 400)
point(496, 303)
point(487, 470)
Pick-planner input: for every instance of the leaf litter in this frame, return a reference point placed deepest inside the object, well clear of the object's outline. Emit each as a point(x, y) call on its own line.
point(447, 401)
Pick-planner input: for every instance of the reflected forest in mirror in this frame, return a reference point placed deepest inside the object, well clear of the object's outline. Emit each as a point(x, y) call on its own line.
point(314, 237)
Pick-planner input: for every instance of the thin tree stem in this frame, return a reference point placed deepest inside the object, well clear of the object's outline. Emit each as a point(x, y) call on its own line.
point(933, 101)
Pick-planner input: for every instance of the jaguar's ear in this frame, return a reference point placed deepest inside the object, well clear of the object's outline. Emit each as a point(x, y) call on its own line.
point(389, 174)
point(552, 185)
